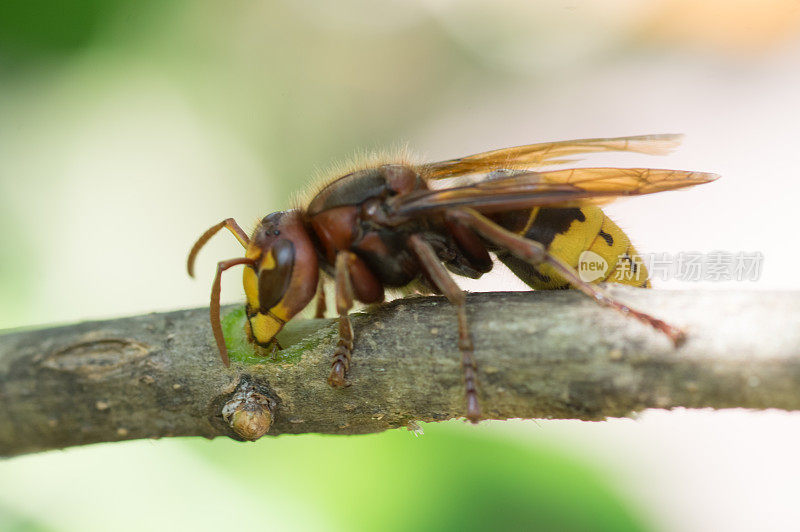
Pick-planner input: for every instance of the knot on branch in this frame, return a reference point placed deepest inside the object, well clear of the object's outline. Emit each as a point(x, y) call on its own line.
point(249, 412)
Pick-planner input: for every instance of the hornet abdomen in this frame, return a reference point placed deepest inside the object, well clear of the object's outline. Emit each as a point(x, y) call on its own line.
point(585, 238)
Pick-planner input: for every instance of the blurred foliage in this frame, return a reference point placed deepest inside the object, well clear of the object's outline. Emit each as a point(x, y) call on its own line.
point(41, 32)
point(31, 29)
point(450, 478)
point(454, 477)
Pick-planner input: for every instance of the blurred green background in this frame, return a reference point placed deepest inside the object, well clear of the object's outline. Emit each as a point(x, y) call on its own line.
point(127, 128)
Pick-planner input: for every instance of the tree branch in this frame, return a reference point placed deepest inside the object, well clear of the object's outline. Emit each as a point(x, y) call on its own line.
point(540, 355)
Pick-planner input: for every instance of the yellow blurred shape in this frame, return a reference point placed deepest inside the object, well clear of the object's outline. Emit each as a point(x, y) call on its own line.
point(750, 26)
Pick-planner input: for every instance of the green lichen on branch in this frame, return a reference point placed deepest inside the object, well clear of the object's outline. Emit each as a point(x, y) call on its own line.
point(295, 340)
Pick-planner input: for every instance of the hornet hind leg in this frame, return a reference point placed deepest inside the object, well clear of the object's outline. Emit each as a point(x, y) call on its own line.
point(442, 280)
point(535, 253)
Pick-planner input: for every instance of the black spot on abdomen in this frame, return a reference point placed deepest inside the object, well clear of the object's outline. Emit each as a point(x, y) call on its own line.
point(608, 238)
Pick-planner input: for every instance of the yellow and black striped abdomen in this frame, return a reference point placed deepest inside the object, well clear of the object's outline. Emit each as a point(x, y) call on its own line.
point(585, 238)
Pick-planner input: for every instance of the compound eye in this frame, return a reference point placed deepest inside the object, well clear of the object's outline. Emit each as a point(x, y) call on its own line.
point(275, 274)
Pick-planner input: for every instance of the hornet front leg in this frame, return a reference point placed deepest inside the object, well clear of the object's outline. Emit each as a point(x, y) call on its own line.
point(343, 285)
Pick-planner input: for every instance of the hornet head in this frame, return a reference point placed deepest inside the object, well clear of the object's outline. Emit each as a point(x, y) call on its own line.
point(280, 275)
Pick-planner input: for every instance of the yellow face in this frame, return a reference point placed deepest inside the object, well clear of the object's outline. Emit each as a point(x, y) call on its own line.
point(282, 277)
point(263, 325)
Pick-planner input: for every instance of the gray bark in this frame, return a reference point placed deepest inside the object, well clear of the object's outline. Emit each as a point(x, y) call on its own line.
point(540, 355)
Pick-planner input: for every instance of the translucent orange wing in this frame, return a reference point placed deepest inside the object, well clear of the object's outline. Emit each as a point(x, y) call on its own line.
point(548, 153)
point(562, 188)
